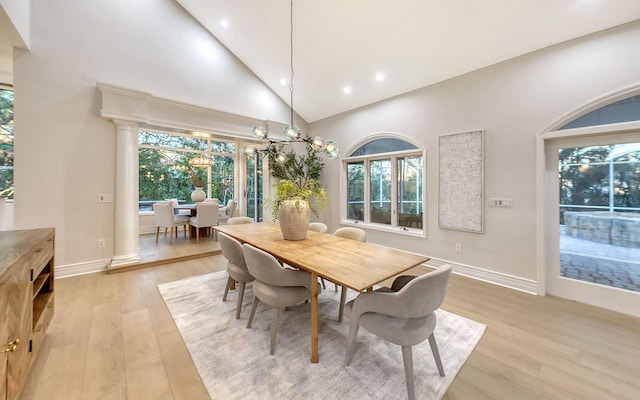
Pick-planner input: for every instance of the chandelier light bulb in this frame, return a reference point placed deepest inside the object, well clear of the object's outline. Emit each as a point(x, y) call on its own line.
point(317, 143)
point(250, 151)
point(281, 157)
point(331, 146)
point(260, 132)
point(291, 132)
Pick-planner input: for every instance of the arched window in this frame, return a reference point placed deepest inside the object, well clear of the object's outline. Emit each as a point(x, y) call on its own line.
point(621, 111)
point(385, 185)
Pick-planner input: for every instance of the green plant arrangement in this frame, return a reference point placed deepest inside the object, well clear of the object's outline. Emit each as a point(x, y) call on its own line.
point(299, 179)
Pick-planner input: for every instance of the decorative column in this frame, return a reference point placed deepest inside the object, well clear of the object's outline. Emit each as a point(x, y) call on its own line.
point(126, 196)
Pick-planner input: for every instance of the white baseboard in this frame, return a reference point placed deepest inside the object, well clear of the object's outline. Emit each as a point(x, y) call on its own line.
point(143, 230)
point(66, 271)
point(497, 278)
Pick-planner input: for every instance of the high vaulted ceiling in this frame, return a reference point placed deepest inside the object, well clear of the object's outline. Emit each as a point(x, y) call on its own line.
point(413, 43)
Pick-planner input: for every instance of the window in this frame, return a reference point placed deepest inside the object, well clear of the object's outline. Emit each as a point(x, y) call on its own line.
point(385, 185)
point(621, 111)
point(6, 143)
point(164, 167)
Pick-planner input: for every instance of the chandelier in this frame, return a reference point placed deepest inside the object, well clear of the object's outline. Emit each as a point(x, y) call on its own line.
point(291, 132)
point(201, 161)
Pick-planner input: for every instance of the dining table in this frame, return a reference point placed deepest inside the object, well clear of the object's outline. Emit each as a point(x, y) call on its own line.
point(354, 264)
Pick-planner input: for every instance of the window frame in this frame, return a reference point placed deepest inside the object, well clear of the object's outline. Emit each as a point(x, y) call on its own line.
point(208, 139)
point(366, 159)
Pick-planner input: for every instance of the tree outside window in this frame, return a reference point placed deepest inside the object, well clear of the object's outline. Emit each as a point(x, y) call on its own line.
point(599, 178)
point(164, 170)
point(6, 143)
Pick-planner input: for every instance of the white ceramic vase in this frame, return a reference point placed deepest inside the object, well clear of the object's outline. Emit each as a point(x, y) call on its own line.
point(294, 217)
point(198, 195)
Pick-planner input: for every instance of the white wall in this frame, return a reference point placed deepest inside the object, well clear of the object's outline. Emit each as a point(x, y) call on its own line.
point(513, 102)
point(64, 151)
point(18, 15)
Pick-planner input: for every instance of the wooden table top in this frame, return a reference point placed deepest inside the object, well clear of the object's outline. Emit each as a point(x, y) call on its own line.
point(347, 262)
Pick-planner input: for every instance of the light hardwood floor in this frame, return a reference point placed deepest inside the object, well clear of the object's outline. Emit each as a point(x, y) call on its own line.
point(113, 338)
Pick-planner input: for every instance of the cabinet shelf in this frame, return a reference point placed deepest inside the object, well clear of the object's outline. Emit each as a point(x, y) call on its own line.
point(39, 304)
point(39, 283)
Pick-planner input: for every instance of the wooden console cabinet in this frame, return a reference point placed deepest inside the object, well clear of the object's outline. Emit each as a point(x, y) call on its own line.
point(26, 302)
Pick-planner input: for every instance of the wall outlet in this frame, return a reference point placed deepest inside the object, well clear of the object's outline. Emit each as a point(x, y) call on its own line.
point(505, 203)
point(100, 243)
point(458, 247)
point(105, 198)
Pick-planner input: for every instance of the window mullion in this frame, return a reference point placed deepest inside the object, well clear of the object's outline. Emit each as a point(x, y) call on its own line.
point(394, 191)
point(367, 192)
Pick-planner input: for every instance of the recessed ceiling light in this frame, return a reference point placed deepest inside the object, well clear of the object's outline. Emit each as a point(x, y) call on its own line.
point(283, 81)
point(379, 77)
point(347, 89)
point(224, 23)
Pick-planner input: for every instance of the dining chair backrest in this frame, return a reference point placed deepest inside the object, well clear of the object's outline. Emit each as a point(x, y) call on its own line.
point(318, 227)
point(240, 220)
point(207, 214)
point(214, 200)
point(231, 208)
point(163, 213)
point(422, 295)
point(232, 250)
point(265, 268)
point(173, 202)
point(351, 233)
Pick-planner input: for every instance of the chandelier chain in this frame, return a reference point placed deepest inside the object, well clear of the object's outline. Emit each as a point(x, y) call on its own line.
point(291, 61)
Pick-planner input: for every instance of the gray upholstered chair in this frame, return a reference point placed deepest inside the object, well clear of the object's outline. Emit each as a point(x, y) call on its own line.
point(403, 315)
point(276, 286)
point(240, 220)
point(318, 227)
point(227, 212)
point(236, 268)
point(163, 213)
point(353, 234)
point(206, 217)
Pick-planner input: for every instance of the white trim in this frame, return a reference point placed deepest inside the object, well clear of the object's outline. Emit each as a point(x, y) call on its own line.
point(594, 293)
point(147, 229)
point(66, 271)
point(144, 108)
point(496, 278)
point(592, 105)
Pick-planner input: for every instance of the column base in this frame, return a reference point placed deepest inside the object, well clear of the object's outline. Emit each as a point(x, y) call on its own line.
point(124, 261)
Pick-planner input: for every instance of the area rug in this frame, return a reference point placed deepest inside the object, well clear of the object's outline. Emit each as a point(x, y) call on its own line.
point(234, 362)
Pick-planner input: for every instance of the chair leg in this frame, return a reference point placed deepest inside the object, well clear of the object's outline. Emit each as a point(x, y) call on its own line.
point(324, 285)
point(253, 311)
point(343, 298)
point(171, 235)
point(351, 341)
point(436, 354)
point(226, 290)
point(185, 231)
point(274, 329)
point(240, 296)
point(407, 357)
point(157, 233)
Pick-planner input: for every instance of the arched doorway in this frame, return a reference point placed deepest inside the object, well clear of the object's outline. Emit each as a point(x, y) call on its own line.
point(590, 235)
